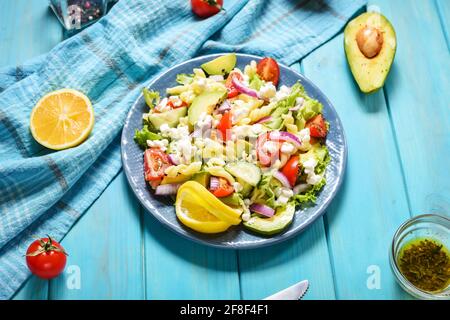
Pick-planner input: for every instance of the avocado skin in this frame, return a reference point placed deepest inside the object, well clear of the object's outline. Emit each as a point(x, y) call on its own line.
point(370, 74)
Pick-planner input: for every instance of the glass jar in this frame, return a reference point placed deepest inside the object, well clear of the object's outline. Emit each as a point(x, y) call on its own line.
point(77, 14)
point(429, 226)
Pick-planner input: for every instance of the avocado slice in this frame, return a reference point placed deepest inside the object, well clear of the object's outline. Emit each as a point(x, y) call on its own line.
point(204, 103)
point(370, 44)
point(269, 226)
point(202, 178)
point(231, 200)
point(171, 117)
point(221, 65)
point(178, 179)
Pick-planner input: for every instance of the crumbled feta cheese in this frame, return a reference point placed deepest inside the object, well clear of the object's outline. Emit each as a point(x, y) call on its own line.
point(268, 90)
point(313, 179)
point(204, 121)
point(270, 146)
point(246, 216)
point(299, 101)
point(237, 186)
point(257, 128)
point(283, 195)
point(161, 144)
point(162, 105)
point(176, 101)
point(282, 93)
point(247, 202)
point(216, 78)
point(287, 148)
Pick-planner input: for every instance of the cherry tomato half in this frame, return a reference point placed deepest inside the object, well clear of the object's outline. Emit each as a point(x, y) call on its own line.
point(155, 162)
point(224, 126)
point(232, 91)
point(268, 70)
point(46, 258)
point(206, 8)
point(224, 189)
point(317, 127)
point(291, 169)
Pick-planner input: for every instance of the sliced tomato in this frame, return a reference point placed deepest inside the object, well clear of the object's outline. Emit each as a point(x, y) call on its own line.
point(225, 125)
point(291, 169)
point(155, 163)
point(206, 8)
point(266, 157)
point(268, 70)
point(232, 91)
point(317, 127)
point(224, 189)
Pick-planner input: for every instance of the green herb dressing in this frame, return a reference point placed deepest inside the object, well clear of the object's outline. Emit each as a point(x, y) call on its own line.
point(425, 263)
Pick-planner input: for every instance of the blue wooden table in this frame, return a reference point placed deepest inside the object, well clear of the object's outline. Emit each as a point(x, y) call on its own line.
point(398, 166)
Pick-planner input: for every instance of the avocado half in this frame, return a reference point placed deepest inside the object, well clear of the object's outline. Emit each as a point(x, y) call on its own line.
point(370, 44)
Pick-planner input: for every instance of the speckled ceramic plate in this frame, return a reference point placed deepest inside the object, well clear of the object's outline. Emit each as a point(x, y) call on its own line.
point(237, 237)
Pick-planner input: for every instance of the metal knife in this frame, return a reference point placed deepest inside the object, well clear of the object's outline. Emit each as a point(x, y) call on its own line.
point(295, 292)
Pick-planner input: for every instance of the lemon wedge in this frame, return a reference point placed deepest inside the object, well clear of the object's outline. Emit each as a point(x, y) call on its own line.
point(62, 119)
point(201, 211)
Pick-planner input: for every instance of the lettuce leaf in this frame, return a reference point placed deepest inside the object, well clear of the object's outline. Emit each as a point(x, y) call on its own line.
point(151, 97)
point(320, 153)
point(264, 192)
point(255, 82)
point(184, 78)
point(310, 196)
point(284, 105)
point(141, 136)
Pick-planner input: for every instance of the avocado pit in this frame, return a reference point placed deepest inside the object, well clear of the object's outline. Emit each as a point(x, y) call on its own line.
point(370, 41)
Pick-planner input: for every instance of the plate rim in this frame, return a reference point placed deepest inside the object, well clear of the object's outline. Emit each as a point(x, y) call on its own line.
point(266, 241)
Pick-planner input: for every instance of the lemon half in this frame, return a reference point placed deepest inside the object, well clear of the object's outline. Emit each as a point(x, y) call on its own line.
point(62, 119)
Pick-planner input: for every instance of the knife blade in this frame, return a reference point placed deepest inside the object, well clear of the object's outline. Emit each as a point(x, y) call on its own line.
point(295, 292)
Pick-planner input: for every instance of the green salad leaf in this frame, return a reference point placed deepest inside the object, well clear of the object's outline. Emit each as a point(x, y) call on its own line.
point(310, 196)
point(151, 97)
point(141, 136)
point(264, 192)
point(255, 82)
point(184, 78)
point(283, 107)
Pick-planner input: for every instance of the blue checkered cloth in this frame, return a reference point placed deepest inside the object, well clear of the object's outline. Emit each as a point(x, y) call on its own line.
point(45, 192)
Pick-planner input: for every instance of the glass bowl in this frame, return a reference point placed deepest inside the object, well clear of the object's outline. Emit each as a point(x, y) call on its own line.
point(431, 226)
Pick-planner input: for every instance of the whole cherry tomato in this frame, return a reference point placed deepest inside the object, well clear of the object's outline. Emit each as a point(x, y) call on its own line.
point(206, 8)
point(46, 258)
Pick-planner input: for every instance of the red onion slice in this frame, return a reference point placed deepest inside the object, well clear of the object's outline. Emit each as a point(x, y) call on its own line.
point(214, 183)
point(285, 136)
point(282, 178)
point(225, 106)
point(243, 89)
point(262, 210)
point(173, 158)
point(167, 189)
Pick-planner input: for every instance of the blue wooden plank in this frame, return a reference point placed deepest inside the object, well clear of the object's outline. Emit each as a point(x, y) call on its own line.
point(177, 268)
point(105, 249)
point(27, 30)
point(443, 8)
point(419, 101)
point(268, 270)
point(33, 289)
point(372, 203)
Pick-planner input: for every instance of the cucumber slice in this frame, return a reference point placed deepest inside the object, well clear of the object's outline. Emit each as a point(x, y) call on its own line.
point(248, 172)
point(246, 188)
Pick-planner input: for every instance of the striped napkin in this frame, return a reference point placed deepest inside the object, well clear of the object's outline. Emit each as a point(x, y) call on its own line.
point(45, 192)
